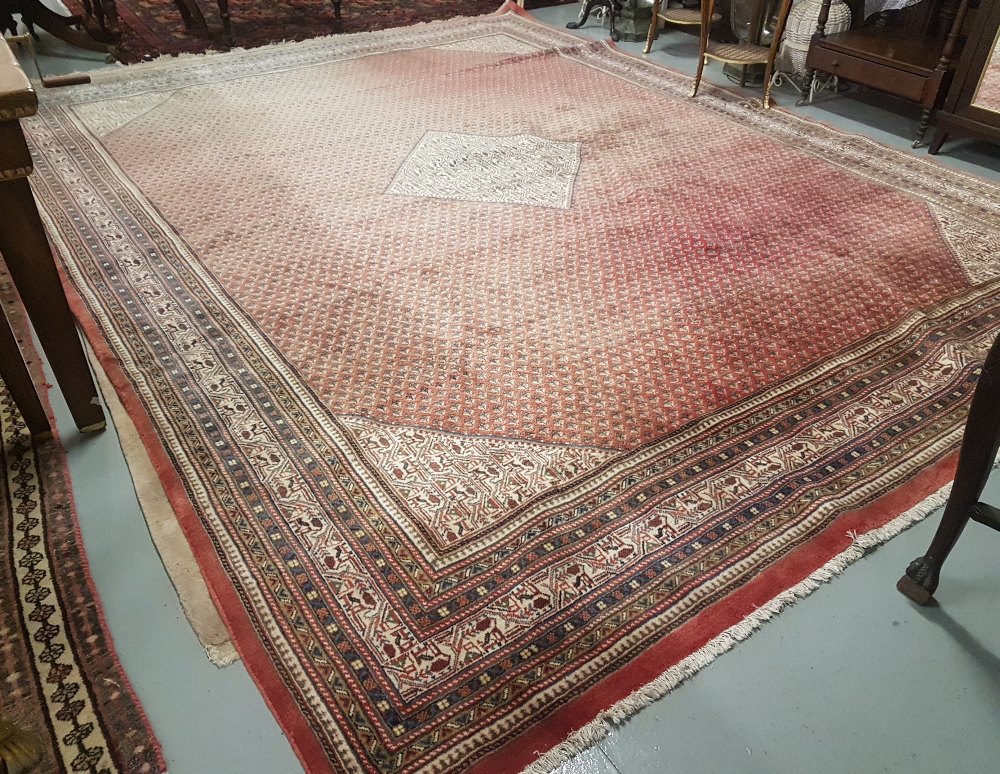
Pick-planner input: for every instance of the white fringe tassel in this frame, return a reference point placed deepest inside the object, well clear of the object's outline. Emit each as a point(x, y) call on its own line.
point(597, 729)
point(222, 655)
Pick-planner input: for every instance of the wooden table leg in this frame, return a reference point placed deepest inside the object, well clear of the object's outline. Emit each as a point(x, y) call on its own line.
point(975, 463)
point(191, 15)
point(111, 25)
point(16, 377)
point(227, 25)
point(29, 260)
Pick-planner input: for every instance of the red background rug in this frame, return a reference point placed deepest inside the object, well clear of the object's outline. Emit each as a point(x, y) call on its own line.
point(151, 28)
point(477, 420)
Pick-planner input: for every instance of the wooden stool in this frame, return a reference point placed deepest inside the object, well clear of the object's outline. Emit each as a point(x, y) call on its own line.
point(741, 54)
point(683, 17)
point(975, 462)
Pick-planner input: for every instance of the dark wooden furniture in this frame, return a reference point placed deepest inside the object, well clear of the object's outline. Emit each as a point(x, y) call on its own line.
point(25, 251)
point(34, 13)
point(975, 461)
point(972, 106)
point(194, 19)
point(907, 53)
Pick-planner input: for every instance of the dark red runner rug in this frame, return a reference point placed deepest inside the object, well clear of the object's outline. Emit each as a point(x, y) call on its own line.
point(61, 680)
point(152, 28)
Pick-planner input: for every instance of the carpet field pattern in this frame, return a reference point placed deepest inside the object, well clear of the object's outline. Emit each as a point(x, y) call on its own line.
point(477, 420)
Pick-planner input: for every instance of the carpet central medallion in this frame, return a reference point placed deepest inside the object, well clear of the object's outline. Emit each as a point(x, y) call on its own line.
point(519, 169)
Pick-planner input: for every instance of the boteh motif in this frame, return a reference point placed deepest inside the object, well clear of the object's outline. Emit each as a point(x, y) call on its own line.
point(476, 404)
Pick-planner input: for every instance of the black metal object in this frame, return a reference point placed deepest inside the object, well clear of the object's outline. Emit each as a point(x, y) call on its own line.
point(975, 462)
point(613, 7)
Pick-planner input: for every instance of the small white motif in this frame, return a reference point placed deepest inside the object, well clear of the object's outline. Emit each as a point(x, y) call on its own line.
point(516, 169)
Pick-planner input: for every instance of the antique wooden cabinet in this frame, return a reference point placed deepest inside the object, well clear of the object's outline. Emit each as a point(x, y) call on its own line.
point(909, 52)
point(972, 106)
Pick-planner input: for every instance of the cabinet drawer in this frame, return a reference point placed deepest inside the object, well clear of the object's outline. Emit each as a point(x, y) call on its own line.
point(860, 70)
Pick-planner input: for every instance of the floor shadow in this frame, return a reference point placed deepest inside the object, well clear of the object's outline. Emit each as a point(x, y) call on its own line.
point(982, 656)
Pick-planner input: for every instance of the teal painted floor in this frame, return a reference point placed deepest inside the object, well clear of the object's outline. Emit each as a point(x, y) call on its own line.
point(853, 679)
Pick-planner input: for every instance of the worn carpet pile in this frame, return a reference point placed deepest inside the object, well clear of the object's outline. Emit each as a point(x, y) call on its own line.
point(493, 379)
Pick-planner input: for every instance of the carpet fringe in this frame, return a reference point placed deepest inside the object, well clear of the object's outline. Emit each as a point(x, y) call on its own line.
point(222, 655)
point(603, 724)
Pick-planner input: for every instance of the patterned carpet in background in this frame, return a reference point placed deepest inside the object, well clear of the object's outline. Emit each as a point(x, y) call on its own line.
point(477, 420)
point(150, 28)
point(61, 678)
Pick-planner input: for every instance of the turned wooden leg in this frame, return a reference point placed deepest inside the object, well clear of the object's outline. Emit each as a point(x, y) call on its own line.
point(975, 462)
point(654, 27)
point(29, 260)
point(925, 122)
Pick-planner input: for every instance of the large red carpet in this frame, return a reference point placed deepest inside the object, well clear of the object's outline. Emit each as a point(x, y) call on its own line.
point(494, 379)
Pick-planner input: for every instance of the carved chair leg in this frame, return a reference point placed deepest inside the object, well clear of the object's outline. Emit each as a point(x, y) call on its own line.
point(925, 122)
point(975, 462)
point(654, 27)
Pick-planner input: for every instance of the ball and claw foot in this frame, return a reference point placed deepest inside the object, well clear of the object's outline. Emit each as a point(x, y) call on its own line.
point(920, 581)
